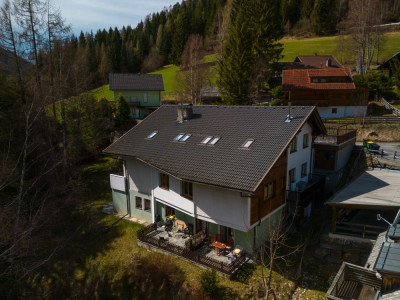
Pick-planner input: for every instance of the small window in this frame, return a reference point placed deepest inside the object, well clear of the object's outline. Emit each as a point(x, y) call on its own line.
point(206, 139)
point(328, 155)
point(334, 110)
point(138, 203)
point(164, 181)
point(323, 80)
point(304, 170)
point(305, 140)
point(247, 143)
point(133, 99)
point(269, 190)
point(315, 80)
point(179, 136)
point(145, 97)
point(187, 189)
point(151, 135)
point(292, 175)
point(169, 211)
point(185, 137)
point(147, 205)
point(293, 145)
point(214, 140)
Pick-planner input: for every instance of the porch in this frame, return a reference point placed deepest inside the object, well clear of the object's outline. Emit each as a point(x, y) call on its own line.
point(205, 254)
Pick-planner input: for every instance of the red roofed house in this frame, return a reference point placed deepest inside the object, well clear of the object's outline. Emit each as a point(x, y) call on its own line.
point(332, 90)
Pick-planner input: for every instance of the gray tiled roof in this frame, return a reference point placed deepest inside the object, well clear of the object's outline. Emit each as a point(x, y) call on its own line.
point(136, 82)
point(225, 164)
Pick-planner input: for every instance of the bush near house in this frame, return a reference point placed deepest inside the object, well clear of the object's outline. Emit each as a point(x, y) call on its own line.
point(122, 110)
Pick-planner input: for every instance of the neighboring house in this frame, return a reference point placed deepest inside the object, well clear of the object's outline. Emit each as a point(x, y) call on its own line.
point(391, 63)
point(311, 62)
point(210, 95)
point(332, 90)
point(223, 169)
point(141, 91)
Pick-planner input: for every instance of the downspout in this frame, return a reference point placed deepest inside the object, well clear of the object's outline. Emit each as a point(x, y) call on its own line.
point(128, 200)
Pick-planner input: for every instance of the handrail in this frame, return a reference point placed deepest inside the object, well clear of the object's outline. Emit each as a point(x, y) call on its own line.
point(390, 107)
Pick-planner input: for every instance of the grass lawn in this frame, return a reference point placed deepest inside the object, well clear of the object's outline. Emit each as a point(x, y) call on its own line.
point(103, 91)
point(94, 263)
point(168, 73)
point(327, 46)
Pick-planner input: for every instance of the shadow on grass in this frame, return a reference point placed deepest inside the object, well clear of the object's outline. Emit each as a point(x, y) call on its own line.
point(245, 272)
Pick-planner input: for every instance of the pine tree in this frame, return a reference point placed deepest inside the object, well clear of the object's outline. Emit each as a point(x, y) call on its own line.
point(122, 111)
point(235, 70)
point(324, 16)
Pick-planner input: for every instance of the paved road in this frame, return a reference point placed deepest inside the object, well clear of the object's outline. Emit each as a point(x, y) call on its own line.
point(388, 150)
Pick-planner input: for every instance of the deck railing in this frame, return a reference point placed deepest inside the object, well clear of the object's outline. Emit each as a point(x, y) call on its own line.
point(359, 230)
point(144, 235)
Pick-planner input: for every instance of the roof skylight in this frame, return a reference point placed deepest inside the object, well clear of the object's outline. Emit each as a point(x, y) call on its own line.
point(247, 143)
point(179, 136)
point(210, 140)
point(214, 140)
point(185, 137)
point(207, 139)
point(182, 137)
point(151, 135)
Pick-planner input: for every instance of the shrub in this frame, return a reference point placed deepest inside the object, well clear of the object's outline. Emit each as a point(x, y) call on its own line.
point(209, 282)
point(122, 110)
point(276, 102)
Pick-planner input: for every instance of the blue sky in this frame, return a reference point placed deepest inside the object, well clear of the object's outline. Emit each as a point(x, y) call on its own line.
point(89, 15)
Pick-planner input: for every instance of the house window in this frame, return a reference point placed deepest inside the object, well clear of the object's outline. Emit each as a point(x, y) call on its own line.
point(147, 205)
point(323, 80)
point(328, 155)
point(206, 139)
point(337, 95)
point(247, 143)
point(292, 175)
point(305, 140)
point(164, 181)
point(269, 190)
point(133, 99)
point(187, 189)
point(185, 137)
point(178, 137)
point(315, 80)
point(138, 203)
point(214, 140)
point(169, 211)
point(145, 97)
point(151, 135)
point(182, 137)
point(304, 170)
point(293, 145)
point(334, 110)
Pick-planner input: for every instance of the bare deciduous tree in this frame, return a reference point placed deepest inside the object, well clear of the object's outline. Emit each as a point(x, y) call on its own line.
point(361, 24)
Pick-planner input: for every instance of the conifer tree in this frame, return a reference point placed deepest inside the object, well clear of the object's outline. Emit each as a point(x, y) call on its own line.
point(235, 70)
point(122, 111)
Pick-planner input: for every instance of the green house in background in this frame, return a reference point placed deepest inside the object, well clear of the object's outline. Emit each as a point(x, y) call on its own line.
point(141, 91)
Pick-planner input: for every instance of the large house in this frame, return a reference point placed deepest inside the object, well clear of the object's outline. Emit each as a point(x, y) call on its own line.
point(223, 169)
point(141, 91)
point(332, 90)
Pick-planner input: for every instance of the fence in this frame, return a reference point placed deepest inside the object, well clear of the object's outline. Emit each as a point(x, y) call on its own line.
point(390, 107)
point(359, 230)
point(229, 269)
point(365, 120)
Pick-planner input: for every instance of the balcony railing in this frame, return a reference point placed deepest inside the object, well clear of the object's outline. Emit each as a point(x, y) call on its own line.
point(309, 194)
point(117, 182)
point(336, 135)
point(144, 236)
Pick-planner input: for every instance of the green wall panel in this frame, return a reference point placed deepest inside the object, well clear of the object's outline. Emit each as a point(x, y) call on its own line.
point(140, 214)
point(119, 201)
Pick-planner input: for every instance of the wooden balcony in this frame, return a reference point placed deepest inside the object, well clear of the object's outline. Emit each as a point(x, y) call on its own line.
point(311, 193)
point(336, 135)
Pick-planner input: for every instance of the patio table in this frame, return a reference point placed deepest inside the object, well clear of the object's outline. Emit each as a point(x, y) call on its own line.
point(219, 247)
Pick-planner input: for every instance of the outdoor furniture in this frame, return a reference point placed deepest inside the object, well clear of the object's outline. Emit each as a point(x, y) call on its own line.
point(197, 239)
point(219, 247)
point(181, 225)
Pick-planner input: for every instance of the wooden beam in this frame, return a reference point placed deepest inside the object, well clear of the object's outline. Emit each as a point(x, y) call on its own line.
point(333, 219)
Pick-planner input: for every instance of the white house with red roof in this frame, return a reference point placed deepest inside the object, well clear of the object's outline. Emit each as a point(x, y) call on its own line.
point(332, 90)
